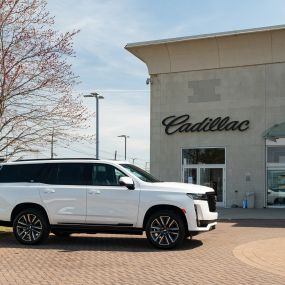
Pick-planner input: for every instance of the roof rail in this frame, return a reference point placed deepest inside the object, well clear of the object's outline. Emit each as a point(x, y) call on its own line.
point(41, 159)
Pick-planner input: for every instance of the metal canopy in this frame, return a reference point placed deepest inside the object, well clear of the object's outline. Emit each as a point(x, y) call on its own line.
point(275, 132)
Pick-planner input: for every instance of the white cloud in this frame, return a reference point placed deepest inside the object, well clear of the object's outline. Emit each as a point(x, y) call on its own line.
point(106, 27)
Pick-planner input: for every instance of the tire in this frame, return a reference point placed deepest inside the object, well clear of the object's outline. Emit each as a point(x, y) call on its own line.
point(31, 227)
point(61, 234)
point(165, 229)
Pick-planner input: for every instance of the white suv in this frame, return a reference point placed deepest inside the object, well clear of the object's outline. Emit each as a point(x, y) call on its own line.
point(98, 196)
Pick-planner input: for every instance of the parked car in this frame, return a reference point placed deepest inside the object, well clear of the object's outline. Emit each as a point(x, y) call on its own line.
point(66, 196)
point(276, 196)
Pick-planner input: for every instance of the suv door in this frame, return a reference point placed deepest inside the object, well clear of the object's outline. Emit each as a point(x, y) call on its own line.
point(108, 203)
point(63, 192)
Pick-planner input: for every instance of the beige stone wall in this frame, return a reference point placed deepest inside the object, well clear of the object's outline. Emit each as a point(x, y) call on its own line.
point(255, 93)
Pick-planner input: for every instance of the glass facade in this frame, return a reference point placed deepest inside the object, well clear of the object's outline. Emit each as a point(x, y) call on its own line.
point(276, 187)
point(276, 154)
point(276, 176)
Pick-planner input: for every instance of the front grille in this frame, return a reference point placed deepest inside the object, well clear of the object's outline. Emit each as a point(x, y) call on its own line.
point(211, 198)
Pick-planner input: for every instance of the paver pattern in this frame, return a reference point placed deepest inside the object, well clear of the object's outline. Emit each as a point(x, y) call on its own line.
point(268, 255)
point(122, 259)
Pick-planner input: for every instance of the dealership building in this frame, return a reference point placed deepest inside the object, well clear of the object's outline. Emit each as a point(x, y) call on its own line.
point(218, 112)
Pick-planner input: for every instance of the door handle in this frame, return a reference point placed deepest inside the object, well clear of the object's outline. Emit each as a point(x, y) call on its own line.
point(49, 191)
point(91, 192)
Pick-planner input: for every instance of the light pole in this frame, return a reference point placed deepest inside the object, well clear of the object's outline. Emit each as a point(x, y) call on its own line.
point(52, 142)
point(125, 137)
point(97, 97)
point(146, 166)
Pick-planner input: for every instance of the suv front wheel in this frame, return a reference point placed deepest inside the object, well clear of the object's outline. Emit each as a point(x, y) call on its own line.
point(31, 227)
point(165, 229)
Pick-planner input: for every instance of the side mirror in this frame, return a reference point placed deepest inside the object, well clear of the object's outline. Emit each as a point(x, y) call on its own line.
point(128, 182)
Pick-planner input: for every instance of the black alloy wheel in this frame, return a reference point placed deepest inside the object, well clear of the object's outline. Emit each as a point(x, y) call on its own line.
point(31, 227)
point(165, 229)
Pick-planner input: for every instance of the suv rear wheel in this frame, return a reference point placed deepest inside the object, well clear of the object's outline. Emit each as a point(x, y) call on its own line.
point(31, 227)
point(165, 229)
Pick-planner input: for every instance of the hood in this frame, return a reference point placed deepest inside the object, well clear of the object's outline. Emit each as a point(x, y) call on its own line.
point(181, 187)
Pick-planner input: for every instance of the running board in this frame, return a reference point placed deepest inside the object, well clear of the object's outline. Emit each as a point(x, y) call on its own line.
point(97, 228)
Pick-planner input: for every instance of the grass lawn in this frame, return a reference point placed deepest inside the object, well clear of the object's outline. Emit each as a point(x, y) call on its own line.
point(5, 229)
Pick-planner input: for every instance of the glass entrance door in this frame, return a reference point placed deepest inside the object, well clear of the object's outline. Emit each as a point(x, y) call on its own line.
point(207, 176)
point(190, 175)
point(213, 177)
point(205, 166)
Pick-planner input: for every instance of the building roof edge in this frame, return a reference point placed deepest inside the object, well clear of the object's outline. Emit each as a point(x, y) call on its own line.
point(204, 36)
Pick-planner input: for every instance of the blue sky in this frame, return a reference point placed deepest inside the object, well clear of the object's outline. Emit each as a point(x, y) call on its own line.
point(106, 67)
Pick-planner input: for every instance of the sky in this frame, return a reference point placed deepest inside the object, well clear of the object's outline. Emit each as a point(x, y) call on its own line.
point(105, 67)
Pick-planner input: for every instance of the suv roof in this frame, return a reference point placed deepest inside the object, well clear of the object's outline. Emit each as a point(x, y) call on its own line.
point(49, 159)
point(55, 160)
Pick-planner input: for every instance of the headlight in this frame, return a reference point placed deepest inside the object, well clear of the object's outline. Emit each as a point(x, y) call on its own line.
point(197, 196)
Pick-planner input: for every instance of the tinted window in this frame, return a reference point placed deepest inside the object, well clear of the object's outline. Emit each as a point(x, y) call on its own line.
point(21, 173)
point(67, 174)
point(141, 174)
point(104, 175)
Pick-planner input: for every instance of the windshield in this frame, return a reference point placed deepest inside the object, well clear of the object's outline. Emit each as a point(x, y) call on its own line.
point(141, 174)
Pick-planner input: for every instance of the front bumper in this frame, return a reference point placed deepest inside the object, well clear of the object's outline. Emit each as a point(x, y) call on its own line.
point(202, 219)
point(206, 228)
point(203, 212)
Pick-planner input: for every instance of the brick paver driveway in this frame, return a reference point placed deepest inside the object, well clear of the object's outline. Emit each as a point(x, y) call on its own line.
point(211, 258)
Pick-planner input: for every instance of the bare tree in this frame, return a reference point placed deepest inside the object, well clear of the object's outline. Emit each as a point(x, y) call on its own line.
point(36, 81)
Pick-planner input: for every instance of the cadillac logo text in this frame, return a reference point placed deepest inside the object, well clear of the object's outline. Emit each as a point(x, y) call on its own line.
point(182, 124)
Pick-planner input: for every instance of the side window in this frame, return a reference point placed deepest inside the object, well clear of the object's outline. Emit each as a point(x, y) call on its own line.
point(20, 173)
point(106, 175)
point(50, 175)
point(67, 174)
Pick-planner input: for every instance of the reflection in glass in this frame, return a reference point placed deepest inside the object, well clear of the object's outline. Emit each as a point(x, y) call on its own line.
point(203, 156)
point(139, 173)
point(190, 175)
point(276, 187)
point(213, 177)
point(276, 154)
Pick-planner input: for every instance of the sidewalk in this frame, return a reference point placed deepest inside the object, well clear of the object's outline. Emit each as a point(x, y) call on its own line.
point(242, 214)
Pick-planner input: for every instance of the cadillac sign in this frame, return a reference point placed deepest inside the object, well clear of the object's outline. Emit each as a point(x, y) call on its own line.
point(182, 124)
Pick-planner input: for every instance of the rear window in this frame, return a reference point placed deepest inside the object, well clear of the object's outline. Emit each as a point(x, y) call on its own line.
point(67, 174)
point(20, 173)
